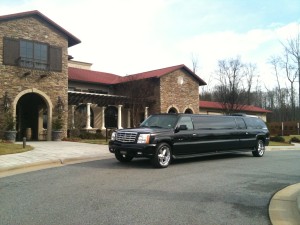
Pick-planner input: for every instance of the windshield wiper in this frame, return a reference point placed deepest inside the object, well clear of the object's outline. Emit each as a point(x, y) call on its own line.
point(155, 127)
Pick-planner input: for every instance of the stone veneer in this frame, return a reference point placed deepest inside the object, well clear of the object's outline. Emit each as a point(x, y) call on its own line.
point(50, 87)
point(179, 90)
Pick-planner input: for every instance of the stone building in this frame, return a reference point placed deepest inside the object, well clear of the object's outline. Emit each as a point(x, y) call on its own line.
point(34, 71)
point(39, 83)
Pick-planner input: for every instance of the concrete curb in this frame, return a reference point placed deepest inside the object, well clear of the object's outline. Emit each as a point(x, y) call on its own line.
point(284, 208)
point(33, 166)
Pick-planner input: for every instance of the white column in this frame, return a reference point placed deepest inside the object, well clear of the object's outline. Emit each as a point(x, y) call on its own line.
point(73, 116)
point(146, 112)
point(128, 119)
point(120, 116)
point(88, 116)
point(103, 118)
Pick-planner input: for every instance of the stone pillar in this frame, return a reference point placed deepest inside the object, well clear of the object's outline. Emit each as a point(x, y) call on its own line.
point(88, 116)
point(120, 116)
point(146, 112)
point(103, 118)
point(73, 116)
point(128, 118)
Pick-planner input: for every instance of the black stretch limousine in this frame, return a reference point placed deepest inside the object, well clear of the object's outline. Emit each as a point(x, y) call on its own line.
point(164, 137)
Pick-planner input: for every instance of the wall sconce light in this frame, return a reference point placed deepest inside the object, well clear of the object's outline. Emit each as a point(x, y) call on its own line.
point(6, 102)
point(26, 74)
point(59, 105)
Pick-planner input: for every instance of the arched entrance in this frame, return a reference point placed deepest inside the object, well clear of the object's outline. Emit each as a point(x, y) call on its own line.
point(111, 117)
point(32, 117)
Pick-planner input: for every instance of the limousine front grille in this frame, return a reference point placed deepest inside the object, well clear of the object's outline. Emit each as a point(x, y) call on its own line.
point(126, 137)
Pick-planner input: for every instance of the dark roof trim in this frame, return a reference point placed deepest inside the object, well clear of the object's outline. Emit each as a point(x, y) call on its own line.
point(72, 40)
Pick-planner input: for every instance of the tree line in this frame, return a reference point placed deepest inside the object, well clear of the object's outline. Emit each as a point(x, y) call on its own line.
point(239, 84)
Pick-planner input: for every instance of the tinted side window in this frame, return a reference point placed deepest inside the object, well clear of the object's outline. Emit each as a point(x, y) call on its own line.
point(186, 120)
point(213, 122)
point(240, 123)
point(254, 123)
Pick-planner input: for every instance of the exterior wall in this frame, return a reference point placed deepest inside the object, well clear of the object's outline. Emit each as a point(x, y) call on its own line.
point(179, 90)
point(11, 77)
point(80, 65)
point(80, 86)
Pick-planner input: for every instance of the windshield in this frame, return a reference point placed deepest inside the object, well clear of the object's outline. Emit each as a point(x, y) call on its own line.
point(160, 121)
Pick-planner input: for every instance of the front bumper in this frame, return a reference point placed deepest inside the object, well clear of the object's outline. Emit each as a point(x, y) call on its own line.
point(134, 149)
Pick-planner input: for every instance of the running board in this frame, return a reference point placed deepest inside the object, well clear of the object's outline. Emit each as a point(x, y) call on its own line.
point(210, 153)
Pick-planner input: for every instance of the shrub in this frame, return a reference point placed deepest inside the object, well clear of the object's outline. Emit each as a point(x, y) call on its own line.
point(277, 139)
point(295, 139)
point(87, 135)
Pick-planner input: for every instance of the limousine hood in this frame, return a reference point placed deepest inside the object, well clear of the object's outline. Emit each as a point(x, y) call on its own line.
point(145, 130)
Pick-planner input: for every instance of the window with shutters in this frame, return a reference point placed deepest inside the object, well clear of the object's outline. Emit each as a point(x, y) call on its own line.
point(30, 54)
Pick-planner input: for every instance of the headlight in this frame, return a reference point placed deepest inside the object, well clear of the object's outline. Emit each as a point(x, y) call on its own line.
point(144, 139)
point(113, 136)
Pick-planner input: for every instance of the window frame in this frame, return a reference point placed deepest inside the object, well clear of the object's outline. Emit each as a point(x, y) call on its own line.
point(12, 55)
point(34, 61)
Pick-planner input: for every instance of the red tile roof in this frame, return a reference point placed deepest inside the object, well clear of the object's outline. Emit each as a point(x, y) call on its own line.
point(161, 72)
point(72, 40)
point(218, 105)
point(107, 78)
point(91, 76)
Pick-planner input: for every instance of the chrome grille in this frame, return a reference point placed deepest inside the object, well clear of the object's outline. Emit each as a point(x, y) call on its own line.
point(126, 137)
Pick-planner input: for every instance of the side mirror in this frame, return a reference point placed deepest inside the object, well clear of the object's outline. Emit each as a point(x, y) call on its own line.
point(181, 127)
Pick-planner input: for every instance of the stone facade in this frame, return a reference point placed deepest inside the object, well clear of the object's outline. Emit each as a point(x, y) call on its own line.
point(48, 85)
point(180, 91)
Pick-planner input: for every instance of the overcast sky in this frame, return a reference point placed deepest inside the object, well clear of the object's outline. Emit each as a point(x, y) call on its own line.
point(132, 36)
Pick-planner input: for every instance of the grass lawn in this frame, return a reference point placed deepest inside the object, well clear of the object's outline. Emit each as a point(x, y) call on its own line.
point(10, 148)
point(274, 143)
point(286, 141)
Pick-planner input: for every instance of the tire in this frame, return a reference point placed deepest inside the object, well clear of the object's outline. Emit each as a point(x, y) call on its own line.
point(162, 156)
point(259, 150)
point(123, 157)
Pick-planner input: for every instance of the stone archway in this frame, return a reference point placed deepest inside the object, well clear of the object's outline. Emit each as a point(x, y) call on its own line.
point(188, 111)
point(172, 109)
point(33, 112)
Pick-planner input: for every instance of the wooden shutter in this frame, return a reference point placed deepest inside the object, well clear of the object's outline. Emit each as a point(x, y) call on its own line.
point(10, 51)
point(55, 58)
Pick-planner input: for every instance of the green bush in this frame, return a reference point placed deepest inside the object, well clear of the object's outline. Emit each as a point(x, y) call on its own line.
point(74, 133)
point(87, 135)
point(295, 139)
point(277, 139)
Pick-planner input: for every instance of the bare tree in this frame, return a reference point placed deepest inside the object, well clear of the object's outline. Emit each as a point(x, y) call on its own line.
point(195, 62)
point(291, 75)
point(140, 94)
point(229, 92)
point(292, 48)
point(249, 74)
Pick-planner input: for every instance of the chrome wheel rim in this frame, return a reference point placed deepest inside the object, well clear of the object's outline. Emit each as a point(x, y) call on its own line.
point(260, 148)
point(164, 156)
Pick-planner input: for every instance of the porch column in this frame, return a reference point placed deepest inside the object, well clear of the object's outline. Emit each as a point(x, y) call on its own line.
point(88, 116)
point(128, 119)
point(120, 116)
point(73, 116)
point(146, 112)
point(103, 118)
